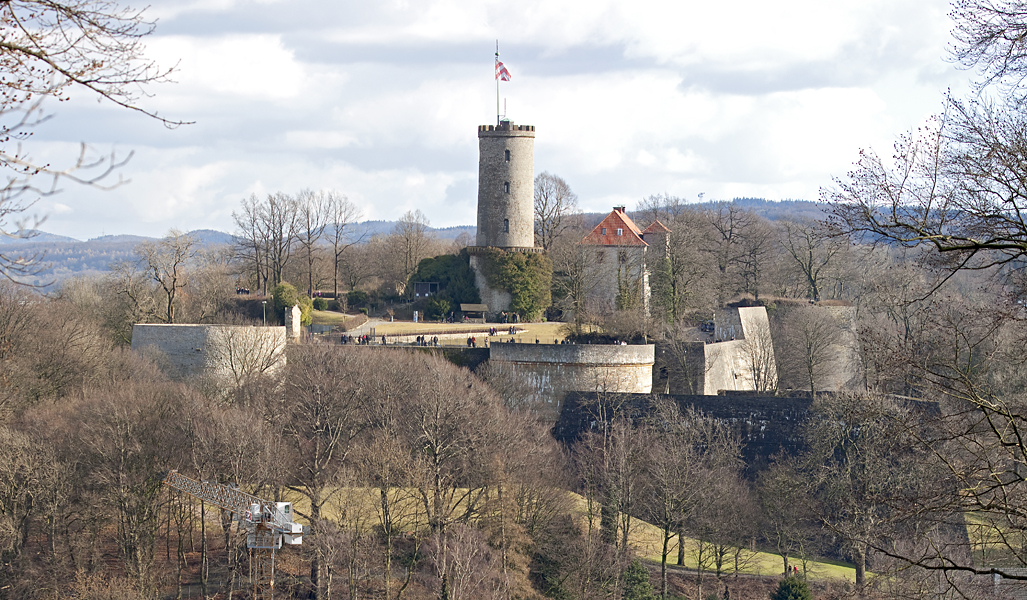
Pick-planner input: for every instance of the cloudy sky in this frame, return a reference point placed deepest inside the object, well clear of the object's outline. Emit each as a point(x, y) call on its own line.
point(381, 101)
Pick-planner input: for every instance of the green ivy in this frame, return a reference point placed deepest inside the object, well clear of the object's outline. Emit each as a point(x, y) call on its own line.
point(453, 274)
point(528, 277)
point(284, 295)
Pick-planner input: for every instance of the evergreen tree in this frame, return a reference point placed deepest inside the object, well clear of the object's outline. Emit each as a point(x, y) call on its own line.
point(792, 588)
point(636, 582)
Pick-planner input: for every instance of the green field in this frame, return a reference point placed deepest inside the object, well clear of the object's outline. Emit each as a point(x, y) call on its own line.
point(329, 317)
point(360, 503)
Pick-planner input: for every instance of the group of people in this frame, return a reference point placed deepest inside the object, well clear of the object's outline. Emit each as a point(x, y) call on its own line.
point(508, 318)
point(422, 340)
point(360, 339)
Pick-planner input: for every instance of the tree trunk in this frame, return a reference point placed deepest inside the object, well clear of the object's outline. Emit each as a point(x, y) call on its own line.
point(204, 563)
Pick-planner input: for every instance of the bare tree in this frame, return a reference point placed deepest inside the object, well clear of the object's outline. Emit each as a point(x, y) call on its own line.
point(267, 233)
point(808, 348)
point(413, 237)
point(165, 262)
point(758, 348)
point(688, 453)
point(681, 279)
point(554, 201)
point(324, 419)
point(343, 214)
point(577, 274)
point(813, 248)
point(252, 240)
point(313, 210)
point(727, 227)
point(47, 49)
point(991, 36)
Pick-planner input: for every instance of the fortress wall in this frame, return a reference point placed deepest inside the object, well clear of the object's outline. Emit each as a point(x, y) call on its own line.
point(181, 346)
point(754, 322)
point(727, 367)
point(497, 300)
point(766, 424)
point(552, 370)
point(227, 353)
point(728, 325)
point(729, 362)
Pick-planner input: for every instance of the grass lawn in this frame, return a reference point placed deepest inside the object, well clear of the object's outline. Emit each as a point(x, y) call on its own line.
point(328, 317)
point(646, 539)
point(546, 333)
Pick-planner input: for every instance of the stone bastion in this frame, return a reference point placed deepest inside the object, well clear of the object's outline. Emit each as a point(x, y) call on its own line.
point(552, 370)
point(224, 355)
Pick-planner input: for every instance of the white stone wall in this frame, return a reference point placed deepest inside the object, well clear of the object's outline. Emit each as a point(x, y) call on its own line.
point(552, 370)
point(225, 355)
point(745, 339)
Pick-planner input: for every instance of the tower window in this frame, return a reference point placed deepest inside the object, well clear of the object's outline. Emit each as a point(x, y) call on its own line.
point(604, 231)
point(506, 225)
point(507, 156)
point(506, 187)
point(620, 232)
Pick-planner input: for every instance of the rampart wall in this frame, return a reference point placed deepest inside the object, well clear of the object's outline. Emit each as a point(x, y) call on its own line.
point(767, 425)
point(552, 370)
point(225, 354)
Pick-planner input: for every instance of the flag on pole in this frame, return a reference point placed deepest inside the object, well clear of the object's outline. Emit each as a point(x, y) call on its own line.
point(501, 73)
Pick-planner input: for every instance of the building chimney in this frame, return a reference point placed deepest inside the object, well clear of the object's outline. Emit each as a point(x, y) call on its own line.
point(619, 209)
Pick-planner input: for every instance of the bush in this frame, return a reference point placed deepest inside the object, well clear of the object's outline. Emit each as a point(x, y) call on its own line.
point(453, 274)
point(285, 296)
point(320, 303)
point(356, 298)
point(792, 588)
point(363, 310)
point(437, 308)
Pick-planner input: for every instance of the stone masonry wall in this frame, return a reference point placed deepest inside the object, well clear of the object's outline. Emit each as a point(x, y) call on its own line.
point(728, 362)
point(506, 186)
point(224, 353)
point(497, 300)
point(552, 370)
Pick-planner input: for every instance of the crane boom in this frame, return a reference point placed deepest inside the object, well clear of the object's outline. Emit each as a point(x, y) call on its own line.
point(267, 524)
point(232, 499)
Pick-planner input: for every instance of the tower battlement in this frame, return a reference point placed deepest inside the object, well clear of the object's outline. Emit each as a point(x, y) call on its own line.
point(506, 128)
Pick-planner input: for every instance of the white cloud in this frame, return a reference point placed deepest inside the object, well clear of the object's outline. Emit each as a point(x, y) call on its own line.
point(381, 101)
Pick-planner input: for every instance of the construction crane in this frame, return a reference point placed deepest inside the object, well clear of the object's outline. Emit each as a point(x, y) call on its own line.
point(268, 524)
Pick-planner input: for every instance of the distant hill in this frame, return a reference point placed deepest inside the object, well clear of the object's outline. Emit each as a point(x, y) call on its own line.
point(34, 235)
point(67, 257)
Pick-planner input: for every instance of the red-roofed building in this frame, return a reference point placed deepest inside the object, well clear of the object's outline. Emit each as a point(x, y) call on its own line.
point(621, 252)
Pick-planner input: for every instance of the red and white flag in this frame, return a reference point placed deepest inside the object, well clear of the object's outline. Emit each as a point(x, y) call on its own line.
point(501, 73)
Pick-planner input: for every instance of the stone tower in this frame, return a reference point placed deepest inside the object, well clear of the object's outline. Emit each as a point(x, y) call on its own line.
point(506, 186)
point(506, 201)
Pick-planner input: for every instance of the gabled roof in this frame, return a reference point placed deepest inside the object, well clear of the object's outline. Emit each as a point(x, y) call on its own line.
point(631, 235)
point(656, 227)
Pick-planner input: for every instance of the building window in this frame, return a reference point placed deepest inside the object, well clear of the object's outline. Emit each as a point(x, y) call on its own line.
point(600, 256)
point(507, 156)
point(506, 225)
point(506, 187)
point(604, 231)
point(622, 257)
point(620, 232)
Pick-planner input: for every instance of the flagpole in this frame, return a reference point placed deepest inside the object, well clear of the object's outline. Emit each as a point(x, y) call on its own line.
point(497, 82)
